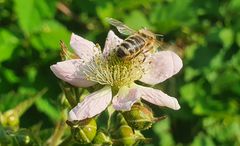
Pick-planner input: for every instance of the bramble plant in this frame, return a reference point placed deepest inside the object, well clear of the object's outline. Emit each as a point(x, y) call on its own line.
point(36, 107)
point(115, 90)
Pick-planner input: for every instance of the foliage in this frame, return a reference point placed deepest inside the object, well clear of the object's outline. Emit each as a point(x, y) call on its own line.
point(207, 38)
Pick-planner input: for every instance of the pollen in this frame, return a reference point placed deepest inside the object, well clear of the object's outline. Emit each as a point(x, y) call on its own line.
point(114, 71)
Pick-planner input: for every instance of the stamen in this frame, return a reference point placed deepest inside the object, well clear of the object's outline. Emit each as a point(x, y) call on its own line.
point(113, 71)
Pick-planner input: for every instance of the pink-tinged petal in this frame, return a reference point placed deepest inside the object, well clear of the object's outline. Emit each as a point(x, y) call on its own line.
point(125, 98)
point(159, 98)
point(92, 105)
point(83, 48)
point(112, 41)
point(71, 71)
point(162, 65)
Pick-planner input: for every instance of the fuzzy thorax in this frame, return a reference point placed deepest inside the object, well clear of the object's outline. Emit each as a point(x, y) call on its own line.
point(114, 71)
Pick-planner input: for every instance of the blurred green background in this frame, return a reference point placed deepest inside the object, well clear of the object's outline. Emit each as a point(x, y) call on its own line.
point(206, 34)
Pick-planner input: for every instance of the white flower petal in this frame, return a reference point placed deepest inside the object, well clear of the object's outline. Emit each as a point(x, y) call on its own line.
point(71, 71)
point(111, 43)
point(92, 105)
point(125, 98)
point(162, 65)
point(83, 48)
point(159, 98)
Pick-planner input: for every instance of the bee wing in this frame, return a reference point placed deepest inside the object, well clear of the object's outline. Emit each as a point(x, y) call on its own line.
point(122, 28)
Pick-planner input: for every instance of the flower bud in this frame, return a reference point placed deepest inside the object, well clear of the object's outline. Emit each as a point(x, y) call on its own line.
point(102, 139)
point(83, 131)
point(139, 117)
point(124, 136)
point(10, 118)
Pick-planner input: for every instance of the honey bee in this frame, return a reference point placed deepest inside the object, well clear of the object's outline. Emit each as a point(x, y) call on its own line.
point(138, 42)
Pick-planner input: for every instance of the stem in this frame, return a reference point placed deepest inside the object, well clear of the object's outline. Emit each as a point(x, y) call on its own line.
point(57, 135)
point(55, 139)
point(110, 112)
point(77, 93)
point(70, 97)
point(66, 141)
point(69, 94)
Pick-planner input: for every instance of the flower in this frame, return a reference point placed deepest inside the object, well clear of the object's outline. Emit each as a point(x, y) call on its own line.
point(117, 76)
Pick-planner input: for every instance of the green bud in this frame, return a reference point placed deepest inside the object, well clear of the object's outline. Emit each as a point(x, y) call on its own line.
point(124, 136)
point(83, 131)
point(139, 117)
point(102, 139)
point(10, 118)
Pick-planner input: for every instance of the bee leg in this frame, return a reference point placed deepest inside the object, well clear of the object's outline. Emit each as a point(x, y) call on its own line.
point(144, 57)
point(135, 55)
point(147, 50)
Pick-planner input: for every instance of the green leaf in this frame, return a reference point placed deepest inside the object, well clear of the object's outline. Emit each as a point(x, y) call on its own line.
point(234, 4)
point(51, 111)
point(227, 81)
point(10, 75)
point(162, 129)
point(238, 39)
point(8, 44)
point(167, 16)
point(137, 20)
point(104, 11)
point(223, 129)
point(202, 140)
point(190, 73)
point(191, 91)
point(24, 105)
point(52, 33)
point(31, 13)
point(226, 35)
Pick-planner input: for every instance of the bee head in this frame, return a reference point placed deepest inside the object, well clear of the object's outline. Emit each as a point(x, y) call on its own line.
point(147, 33)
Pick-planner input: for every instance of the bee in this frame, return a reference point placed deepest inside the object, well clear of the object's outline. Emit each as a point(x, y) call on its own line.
point(137, 42)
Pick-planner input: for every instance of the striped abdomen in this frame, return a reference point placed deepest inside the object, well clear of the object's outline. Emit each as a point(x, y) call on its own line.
point(131, 47)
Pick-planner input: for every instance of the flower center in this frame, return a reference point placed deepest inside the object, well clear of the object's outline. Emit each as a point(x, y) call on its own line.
point(114, 71)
